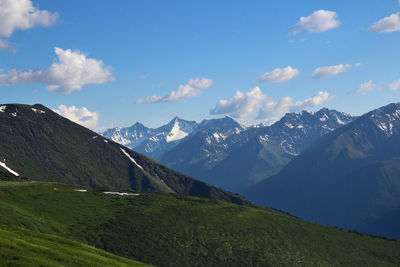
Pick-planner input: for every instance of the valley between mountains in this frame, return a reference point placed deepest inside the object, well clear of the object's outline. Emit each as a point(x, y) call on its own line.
point(67, 188)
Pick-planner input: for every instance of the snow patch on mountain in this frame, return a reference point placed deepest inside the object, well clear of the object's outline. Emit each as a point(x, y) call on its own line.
point(130, 158)
point(386, 119)
point(3, 164)
point(120, 193)
point(3, 108)
point(289, 125)
point(179, 130)
point(38, 111)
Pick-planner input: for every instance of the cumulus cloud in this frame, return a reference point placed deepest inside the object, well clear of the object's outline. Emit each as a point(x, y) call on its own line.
point(280, 75)
point(387, 24)
point(192, 89)
point(21, 14)
point(272, 111)
point(366, 87)
point(71, 72)
point(326, 71)
point(317, 22)
point(80, 116)
point(394, 85)
point(243, 105)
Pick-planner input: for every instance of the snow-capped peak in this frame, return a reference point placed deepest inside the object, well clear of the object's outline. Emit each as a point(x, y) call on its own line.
point(177, 133)
point(386, 118)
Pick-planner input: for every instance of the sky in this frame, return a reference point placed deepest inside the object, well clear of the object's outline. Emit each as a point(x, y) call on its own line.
point(111, 63)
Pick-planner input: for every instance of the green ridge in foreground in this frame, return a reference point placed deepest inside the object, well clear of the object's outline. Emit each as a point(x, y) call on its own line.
point(173, 230)
point(19, 246)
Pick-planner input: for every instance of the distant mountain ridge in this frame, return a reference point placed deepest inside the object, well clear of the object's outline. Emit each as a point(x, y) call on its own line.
point(348, 178)
point(155, 142)
point(249, 156)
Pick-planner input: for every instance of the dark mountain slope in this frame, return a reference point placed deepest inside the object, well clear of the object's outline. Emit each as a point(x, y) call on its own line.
point(387, 225)
point(248, 164)
point(37, 143)
point(348, 178)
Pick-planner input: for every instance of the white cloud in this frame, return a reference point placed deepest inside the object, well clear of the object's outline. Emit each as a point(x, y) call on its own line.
point(280, 75)
point(80, 116)
point(326, 71)
point(241, 105)
point(21, 14)
point(3, 44)
point(192, 89)
point(317, 22)
point(272, 111)
point(387, 24)
point(72, 71)
point(366, 87)
point(394, 85)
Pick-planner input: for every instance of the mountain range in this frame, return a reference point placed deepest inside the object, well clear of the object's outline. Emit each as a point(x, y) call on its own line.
point(348, 178)
point(215, 151)
point(155, 142)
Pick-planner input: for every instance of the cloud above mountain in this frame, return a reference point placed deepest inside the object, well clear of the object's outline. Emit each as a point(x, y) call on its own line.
point(394, 85)
point(22, 15)
point(80, 116)
point(319, 21)
point(326, 71)
point(245, 104)
point(272, 111)
point(279, 75)
point(192, 88)
point(366, 88)
point(70, 73)
point(241, 105)
point(388, 24)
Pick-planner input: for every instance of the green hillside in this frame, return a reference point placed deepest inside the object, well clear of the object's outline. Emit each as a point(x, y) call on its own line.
point(173, 230)
point(19, 246)
point(40, 144)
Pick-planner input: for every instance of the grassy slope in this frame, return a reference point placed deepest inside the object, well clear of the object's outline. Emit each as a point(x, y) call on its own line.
point(19, 246)
point(172, 230)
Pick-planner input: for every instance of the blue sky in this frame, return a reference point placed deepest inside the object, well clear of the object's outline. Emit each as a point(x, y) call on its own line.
point(112, 63)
